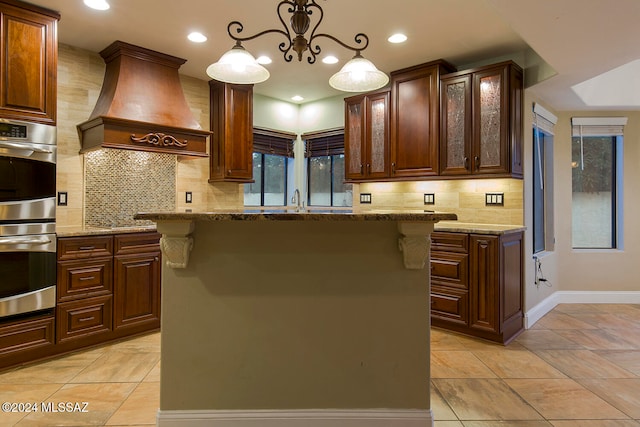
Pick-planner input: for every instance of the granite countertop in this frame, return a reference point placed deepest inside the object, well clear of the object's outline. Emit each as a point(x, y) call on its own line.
point(314, 214)
point(466, 227)
point(77, 231)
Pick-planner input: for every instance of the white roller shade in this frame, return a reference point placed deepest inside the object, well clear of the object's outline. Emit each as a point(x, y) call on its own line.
point(543, 119)
point(598, 126)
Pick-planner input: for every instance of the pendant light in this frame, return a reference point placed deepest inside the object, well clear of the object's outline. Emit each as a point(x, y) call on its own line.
point(238, 66)
point(358, 75)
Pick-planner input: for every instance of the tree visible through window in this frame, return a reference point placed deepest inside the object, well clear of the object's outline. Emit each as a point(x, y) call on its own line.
point(594, 192)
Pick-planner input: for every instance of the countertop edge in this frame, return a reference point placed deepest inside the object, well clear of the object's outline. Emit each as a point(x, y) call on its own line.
point(297, 216)
point(96, 231)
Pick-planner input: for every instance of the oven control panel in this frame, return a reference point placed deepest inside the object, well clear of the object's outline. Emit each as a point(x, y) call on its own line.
point(11, 130)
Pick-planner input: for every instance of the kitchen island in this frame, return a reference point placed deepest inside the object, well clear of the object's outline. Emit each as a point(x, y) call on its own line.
point(285, 318)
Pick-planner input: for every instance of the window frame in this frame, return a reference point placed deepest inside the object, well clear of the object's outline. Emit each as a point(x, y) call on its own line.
point(607, 127)
point(269, 142)
point(327, 143)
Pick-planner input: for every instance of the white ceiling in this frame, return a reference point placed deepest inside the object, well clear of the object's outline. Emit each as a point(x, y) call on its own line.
point(579, 39)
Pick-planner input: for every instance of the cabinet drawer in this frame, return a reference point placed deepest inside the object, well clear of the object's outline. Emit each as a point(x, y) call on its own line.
point(137, 243)
point(84, 247)
point(81, 278)
point(450, 269)
point(84, 317)
point(450, 304)
point(24, 335)
point(449, 242)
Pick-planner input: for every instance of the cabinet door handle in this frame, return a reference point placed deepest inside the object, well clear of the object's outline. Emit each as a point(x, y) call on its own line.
point(393, 168)
point(368, 168)
point(466, 162)
point(86, 319)
point(87, 248)
point(84, 279)
point(361, 169)
point(476, 160)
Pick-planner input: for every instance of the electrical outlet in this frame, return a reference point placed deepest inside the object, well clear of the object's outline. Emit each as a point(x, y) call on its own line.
point(494, 199)
point(429, 199)
point(365, 198)
point(62, 198)
point(189, 197)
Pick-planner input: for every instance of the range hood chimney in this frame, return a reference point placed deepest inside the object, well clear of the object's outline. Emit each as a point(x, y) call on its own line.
point(142, 106)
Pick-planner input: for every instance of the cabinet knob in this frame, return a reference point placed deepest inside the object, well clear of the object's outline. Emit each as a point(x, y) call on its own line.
point(361, 168)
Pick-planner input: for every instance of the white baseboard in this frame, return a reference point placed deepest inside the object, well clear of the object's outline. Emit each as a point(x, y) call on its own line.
point(578, 297)
point(298, 418)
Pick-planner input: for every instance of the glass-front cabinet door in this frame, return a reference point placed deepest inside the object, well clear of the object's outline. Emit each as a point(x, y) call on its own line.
point(455, 150)
point(366, 136)
point(481, 121)
point(491, 118)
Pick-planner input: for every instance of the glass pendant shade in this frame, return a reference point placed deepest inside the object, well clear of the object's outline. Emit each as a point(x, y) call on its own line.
point(358, 75)
point(238, 66)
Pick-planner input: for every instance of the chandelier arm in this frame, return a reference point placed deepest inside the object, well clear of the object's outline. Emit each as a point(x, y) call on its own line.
point(243, 39)
point(314, 50)
point(358, 39)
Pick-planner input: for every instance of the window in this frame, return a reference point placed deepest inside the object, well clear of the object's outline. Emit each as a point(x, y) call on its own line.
point(596, 151)
point(543, 225)
point(272, 157)
point(325, 169)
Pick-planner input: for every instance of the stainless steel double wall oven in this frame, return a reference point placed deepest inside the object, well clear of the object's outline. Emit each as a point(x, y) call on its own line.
point(27, 217)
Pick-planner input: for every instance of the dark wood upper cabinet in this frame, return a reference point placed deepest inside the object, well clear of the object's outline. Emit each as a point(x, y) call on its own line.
point(481, 122)
point(366, 136)
point(28, 62)
point(415, 119)
point(231, 154)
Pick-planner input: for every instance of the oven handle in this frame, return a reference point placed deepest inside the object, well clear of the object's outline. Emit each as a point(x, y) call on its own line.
point(25, 240)
point(19, 146)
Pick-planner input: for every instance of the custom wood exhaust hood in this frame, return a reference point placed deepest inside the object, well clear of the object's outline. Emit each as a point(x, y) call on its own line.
point(142, 106)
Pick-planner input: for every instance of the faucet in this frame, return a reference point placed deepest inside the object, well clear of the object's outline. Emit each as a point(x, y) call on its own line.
point(296, 199)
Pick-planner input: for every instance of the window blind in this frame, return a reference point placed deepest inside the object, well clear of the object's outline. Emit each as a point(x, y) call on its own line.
point(543, 119)
point(269, 141)
point(325, 143)
point(597, 126)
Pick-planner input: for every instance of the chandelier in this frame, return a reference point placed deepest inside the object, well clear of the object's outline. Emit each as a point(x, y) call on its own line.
point(239, 66)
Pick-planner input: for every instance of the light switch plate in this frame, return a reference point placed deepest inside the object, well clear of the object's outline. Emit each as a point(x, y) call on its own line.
point(365, 198)
point(189, 197)
point(429, 199)
point(62, 198)
point(494, 199)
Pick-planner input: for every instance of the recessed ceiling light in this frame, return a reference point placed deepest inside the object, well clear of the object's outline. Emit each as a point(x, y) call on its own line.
point(297, 98)
point(97, 4)
point(397, 38)
point(197, 37)
point(330, 59)
point(263, 60)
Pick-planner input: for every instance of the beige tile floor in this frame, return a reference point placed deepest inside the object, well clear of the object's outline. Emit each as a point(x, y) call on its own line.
point(579, 366)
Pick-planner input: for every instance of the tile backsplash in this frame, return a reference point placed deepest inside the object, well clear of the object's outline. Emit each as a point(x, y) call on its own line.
point(466, 198)
point(120, 183)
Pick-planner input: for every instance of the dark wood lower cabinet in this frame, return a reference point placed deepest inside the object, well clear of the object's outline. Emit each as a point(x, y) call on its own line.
point(477, 284)
point(27, 339)
point(137, 296)
point(108, 287)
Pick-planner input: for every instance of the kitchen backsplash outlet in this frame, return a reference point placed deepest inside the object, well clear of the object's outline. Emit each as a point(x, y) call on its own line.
point(120, 183)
